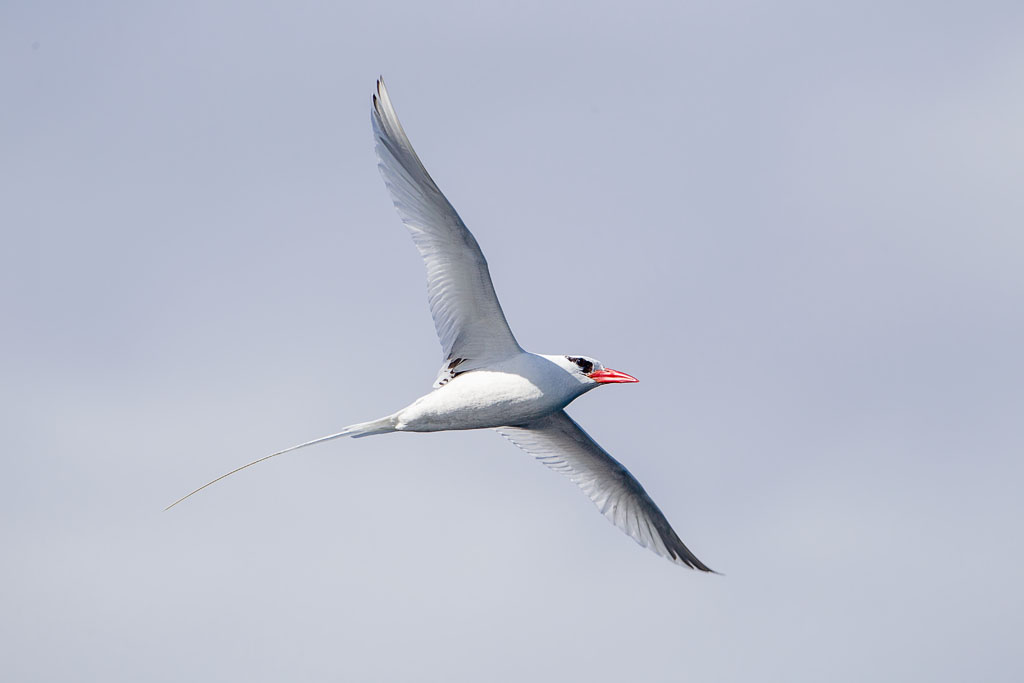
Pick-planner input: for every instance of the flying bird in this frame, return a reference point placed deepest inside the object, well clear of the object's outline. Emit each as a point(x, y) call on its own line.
point(487, 381)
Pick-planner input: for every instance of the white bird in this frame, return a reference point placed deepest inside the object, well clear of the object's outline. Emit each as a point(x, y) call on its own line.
point(488, 380)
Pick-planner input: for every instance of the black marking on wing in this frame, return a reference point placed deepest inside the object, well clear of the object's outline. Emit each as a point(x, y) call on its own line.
point(452, 372)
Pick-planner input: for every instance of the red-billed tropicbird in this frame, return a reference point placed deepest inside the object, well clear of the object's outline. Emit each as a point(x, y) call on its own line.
point(488, 380)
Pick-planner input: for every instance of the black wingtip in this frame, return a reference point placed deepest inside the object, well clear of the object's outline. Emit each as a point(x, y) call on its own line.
point(379, 95)
point(694, 563)
point(679, 553)
point(700, 566)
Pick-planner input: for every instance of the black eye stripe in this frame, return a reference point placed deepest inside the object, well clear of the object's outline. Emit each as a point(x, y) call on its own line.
point(585, 365)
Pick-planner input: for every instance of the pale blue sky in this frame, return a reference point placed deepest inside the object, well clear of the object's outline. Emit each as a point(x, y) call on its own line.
point(799, 225)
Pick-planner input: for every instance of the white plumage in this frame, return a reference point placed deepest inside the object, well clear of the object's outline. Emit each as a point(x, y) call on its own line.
point(487, 380)
point(469, 320)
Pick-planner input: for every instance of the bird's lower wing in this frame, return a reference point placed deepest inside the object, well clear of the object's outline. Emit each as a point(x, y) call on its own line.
point(561, 444)
point(469, 321)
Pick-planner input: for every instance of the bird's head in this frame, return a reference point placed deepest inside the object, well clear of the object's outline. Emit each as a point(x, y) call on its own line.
point(591, 372)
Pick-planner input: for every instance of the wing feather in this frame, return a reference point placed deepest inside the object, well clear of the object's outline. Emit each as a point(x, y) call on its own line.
point(467, 316)
point(562, 445)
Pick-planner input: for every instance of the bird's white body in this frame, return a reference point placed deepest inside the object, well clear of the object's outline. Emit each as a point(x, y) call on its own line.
point(515, 391)
point(488, 380)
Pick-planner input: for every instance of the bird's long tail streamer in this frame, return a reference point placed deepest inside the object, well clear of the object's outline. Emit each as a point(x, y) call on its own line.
point(345, 432)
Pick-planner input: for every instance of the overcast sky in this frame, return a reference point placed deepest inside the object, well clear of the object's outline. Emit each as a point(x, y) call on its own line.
point(800, 225)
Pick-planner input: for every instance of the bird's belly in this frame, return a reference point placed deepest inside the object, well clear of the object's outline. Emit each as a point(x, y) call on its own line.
point(480, 400)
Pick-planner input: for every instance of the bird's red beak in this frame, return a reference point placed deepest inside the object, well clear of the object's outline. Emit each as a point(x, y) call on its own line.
point(609, 376)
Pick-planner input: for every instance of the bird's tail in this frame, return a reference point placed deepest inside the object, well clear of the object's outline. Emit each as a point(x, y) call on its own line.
point(381, 426)
point(357, 431)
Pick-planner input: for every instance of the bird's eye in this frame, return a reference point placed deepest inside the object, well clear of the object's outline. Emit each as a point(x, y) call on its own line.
point(585, 365)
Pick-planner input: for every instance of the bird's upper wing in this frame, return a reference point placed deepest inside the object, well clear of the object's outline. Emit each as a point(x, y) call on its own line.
point(469, 320)
point(561, 444)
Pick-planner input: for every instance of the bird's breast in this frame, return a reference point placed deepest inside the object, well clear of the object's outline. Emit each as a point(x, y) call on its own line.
point(484, 398)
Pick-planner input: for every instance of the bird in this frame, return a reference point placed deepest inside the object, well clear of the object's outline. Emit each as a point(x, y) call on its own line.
point(487, 380)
